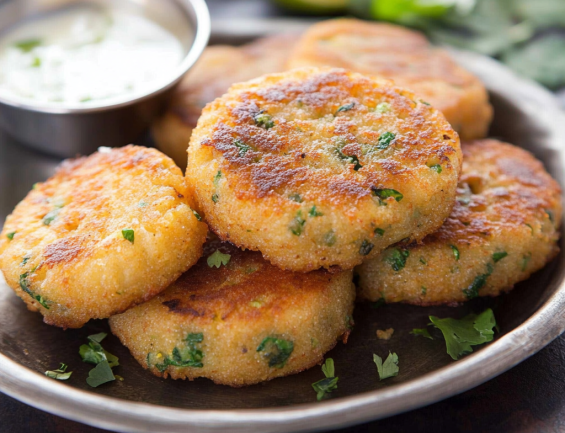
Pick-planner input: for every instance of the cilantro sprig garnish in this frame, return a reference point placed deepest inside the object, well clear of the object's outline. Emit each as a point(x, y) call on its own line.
point(388, 368)
point(327, 385)
point(94, 353)
point(217, 259)
point(60, 374)
point(461, 334)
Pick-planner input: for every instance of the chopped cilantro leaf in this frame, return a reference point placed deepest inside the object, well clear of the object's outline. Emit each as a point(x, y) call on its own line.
point(215, 198)
point(423, 261)
point(384, 193)
point(59, 374)
point(455, 251)
point(217, 178)
point(295, 197)
point(243, 148)
point(385, 140)
point(94, 353)
point(421, 332)
point(366, 247)
point(217, 259)
point(525, 259)
point(345, 107)
point(263, 119)
point(550, 215)
point(379, 231)
point(478, 283)
point(461, 334)
point(188, 355)
point(11, 235)
point(389, 368)
point(350, 159)
point(383, 107)
point(276, 351)
point(297, 224)
point(27, 45)
point(499, 256)
point(314, 213)
point(129, 235)
point(24, 285)
point(100, 374)
point(437, 168)
point(330, 238)
point(197, 215)
point(327, 385)
point(424, 291)
point(397, 258)
point(50, 216)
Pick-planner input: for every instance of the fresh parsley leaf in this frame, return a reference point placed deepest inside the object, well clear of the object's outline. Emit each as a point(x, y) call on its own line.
point(314, 213)
point(385, 140)
point(297, 224)
point(128, 235)
point(328, 368)
point(496, 257)
point(59, 374)
point(24, 285)
point(325, 386)
point(345, 107)
point(422, 332)
point(264, 120)
point(397, 258)
point(384, 193)
point(27, 45)
point(379, 231)
point(461, 334)
point(366, 247)
point(455, 251)
point(217, 259)
point(11, 235)
point(243, 148)
point(295, 197)
point(197, 215)
point(100, 374)
point(277, 351)
point(437, 168)
point(389, 368)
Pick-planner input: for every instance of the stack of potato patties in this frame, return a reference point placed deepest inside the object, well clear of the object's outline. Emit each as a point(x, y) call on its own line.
point(321, 168)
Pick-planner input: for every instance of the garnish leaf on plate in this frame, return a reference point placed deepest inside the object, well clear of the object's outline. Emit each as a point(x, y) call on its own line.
point(388, 368)
point(327, 385)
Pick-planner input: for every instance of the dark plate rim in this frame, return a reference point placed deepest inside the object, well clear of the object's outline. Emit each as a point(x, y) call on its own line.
point(540, 329)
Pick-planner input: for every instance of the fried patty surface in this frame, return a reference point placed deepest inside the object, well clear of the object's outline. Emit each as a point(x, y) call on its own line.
point(406, 57)
point(218, 68)
point(242, 323)
point(104, 233)
point(503, 228)
point(322, 167)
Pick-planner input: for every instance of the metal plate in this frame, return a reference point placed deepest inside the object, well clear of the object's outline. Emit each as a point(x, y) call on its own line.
point(529, 318)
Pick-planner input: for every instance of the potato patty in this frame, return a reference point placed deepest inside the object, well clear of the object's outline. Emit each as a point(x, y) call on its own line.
point(242, 323)
point(219, 67)
point(406, 57)
point(503, 228)
point(322, 167)
point(104, 233)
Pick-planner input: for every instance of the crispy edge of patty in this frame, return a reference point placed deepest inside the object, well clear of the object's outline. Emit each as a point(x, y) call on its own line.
point(411, 61)
point(69, 258)
point(218, 68)
point(252, 207)
point(231, 311)
point(503, 228)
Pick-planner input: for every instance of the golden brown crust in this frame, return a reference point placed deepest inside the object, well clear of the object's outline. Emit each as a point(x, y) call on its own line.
point(404, 56)
point(68, 235)
point(235, 308)
point(336, 160)
point(218, 68)
point(507, 203)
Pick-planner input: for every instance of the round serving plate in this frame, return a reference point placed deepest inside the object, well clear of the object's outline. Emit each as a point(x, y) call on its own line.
point(529, 318)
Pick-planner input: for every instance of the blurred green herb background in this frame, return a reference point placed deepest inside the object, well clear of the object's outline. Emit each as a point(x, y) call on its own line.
point(527, 35)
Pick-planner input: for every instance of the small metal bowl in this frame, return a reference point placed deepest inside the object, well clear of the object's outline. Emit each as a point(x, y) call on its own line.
point(67, 132)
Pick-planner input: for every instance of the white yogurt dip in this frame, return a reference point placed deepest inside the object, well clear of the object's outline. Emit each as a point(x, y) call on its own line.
point(86, 56)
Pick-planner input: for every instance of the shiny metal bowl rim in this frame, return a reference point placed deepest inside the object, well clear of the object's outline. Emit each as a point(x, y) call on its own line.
point(535, 333)
point(202, 31)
